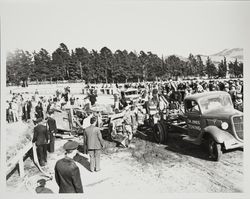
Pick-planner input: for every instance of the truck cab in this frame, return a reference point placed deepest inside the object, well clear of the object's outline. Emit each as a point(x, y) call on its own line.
point(210, 119)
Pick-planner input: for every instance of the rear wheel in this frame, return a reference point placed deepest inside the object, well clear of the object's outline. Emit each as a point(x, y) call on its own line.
point(159, 134)
point(166, 130)
point(214, 149)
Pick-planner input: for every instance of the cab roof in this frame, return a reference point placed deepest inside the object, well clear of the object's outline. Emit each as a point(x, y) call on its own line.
point(199, 96)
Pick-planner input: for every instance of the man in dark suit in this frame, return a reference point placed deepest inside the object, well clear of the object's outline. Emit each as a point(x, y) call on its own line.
point(94, 144)
point(29, 106)
point(67, 173)
point(52, 131)
point(40, 138)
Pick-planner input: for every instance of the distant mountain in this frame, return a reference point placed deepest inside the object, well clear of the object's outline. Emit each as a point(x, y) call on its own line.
point(230, 54)
point(182, 58)
point(236, 53)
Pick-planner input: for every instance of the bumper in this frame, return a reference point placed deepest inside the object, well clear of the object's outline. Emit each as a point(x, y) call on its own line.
point(232, 144)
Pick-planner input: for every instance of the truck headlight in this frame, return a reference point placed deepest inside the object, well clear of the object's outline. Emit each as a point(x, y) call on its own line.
point(224, 125)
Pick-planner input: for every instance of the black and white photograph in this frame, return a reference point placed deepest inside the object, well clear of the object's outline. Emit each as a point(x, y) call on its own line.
point(137, 98)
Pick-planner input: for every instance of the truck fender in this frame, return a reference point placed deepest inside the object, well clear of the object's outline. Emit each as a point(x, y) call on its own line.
point(220, 136)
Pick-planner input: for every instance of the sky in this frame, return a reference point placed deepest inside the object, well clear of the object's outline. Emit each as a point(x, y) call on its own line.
point(162, 27)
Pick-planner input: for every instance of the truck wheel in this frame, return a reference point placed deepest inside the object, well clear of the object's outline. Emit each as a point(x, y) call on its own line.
point(159, 133)
point(214, 149)
point(166, 130)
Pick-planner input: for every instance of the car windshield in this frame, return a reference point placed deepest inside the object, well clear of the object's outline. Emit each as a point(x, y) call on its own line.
point(215, 103)
point(192, 107)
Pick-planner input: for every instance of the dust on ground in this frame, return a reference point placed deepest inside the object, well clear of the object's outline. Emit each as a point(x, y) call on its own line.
point(146, 168)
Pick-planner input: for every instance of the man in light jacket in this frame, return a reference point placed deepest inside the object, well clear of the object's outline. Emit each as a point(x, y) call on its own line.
point(94, 144)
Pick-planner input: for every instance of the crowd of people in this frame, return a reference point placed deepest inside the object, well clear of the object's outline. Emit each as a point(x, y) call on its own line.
point(177, 90)
point(28, 107)
point(39, 109)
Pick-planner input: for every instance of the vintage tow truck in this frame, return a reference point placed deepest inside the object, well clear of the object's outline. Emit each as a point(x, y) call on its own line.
point(208, 119)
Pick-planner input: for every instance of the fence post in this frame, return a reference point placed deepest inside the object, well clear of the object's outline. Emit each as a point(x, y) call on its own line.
point(21, 167)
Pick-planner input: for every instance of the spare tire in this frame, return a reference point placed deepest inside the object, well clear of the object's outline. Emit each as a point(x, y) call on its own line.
point(159, 133)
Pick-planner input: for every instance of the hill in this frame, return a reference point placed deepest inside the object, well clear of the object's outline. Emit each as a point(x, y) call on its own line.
point(230, 54)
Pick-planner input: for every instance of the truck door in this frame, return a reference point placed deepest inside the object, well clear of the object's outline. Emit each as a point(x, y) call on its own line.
point(193, 114)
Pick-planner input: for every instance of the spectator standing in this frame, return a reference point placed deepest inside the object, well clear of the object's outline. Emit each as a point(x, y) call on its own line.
point(67, 173)
point(29, 107)
point(94, 144)
point(52, 131)
point(92, 97)
point(238, 87)
point(39, 110)
point(25, 111)
point(9, 113)
point(14, 110)
point(40, 138)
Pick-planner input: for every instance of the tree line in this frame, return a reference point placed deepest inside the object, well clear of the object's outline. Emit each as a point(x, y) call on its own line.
point(106, 66)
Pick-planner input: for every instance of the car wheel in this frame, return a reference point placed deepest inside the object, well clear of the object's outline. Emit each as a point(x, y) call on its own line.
point(214, 149)
point(151, 121)
point(159, 133)
point(166, 130)
point(110, 132)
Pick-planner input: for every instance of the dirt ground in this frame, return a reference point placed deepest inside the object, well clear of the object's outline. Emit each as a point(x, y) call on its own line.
point(145, 167)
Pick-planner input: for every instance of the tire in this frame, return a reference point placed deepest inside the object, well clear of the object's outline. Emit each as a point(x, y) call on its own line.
point(151, 121)
point(166, 130)
point(159, 134)
point(214, 149)
point(110, 135)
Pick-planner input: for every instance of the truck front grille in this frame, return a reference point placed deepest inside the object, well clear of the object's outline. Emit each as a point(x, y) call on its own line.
point(238, 126)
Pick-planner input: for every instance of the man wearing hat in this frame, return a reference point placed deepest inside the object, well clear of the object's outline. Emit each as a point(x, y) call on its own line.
point(67, 173)
point(40, 138)
point(52, 131)
point(94, 144)
point(41, 187)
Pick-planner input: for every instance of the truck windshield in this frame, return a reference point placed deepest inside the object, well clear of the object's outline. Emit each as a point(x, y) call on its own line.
point(215, 103)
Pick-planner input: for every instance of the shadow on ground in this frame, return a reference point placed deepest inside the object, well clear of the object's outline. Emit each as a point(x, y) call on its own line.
point(175, 144)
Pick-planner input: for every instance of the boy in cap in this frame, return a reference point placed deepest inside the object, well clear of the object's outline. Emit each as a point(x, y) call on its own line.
point(41, 187)
point(67, 173)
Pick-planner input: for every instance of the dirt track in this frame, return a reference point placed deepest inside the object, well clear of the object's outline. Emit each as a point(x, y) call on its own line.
point(149, 168)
